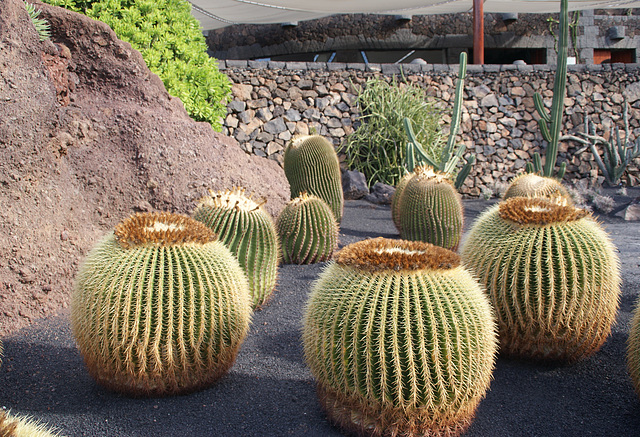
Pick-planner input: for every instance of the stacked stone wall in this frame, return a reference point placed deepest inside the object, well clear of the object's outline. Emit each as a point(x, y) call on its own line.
point(274, 101)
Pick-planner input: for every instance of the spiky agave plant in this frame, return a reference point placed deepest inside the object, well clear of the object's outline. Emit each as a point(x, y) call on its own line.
point(249, 232)
point(552, 274)
point(633, 349)
point(19, 426)
point(430, 209)
point(400, 339)
point(308, 230)
point(534, 185)
point(160, 306)
point(311, 166)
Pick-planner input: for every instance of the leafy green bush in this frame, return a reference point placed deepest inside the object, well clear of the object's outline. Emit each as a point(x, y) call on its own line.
point(377, 148)
point(172, 45)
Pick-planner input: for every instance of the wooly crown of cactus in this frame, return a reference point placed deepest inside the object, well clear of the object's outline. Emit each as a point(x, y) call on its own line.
point(311, 165)
point(160, 306)
point(18, 426)
point(633, 349)
point(249, 232)
point(308, 230)
point(552, 274)
point(533, 185)
point(430, 209)
point(400, 339)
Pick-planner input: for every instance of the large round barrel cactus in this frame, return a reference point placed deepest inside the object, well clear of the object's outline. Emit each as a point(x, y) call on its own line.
point(160, 306)
point(633, 349)
point(19, 426)
point(308, 230)
point(533, 185)
point(249, 232)
point(400, 339)
point(431, 209)
point(395, 200)
point(311, 166)
point(552, 274)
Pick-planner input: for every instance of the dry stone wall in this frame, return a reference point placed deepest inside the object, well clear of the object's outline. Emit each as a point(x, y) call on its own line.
point(274, 101)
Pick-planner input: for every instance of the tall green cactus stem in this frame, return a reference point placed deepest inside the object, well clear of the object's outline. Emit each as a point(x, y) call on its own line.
point(311, 166)
point(249, 232)
point(451, 154)
point(552, 275)
point(633, 349)
point(618, 153)
point(160, 307)
point(400, 339)
point(551, 122)
point(19, 426)
point(308, 230)
point(534, 185)
point(431, 209)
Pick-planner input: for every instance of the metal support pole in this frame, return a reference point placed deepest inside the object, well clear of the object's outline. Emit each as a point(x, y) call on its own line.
point(478, 31)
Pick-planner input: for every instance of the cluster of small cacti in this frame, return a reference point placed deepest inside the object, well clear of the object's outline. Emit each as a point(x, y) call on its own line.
point(17, 426)
point(249, 232)
point(400, 338)
point(311, 166)
point(160, 306)
point(307, 229)
point(552, 274)
point(428, 208)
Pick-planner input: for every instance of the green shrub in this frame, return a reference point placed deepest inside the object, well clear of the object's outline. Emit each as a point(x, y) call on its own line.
point(377, 147)
point(172, 45)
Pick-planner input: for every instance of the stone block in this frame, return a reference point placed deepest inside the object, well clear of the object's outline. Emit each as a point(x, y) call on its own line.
point(354, 185)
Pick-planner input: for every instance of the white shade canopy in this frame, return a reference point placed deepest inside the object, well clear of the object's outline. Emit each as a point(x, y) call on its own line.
point(214, 14)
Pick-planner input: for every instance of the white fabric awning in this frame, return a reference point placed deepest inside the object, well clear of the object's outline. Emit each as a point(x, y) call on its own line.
point(214, 14)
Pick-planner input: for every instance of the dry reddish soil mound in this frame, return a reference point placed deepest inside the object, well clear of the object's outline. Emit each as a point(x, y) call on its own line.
point(88, 135)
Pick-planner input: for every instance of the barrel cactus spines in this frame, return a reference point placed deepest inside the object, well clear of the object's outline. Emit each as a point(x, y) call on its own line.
point(431, 209)
point(311, 165)
point(552, 274)
point(308, 230)
point(633, 349)
point(395, 200)
point(533, 185)
point(400, 338)
point(20, 426)
point(249, 232)
point(160, 306)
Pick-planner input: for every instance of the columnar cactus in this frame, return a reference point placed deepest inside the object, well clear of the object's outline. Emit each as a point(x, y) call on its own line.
point(633, 349)
point(552, 274)
point(308, 230)
point(400, 339)
point(249, 232)
point(160, 306)
point(17, 426)
point(311, 165)
point(431, 209)
point(533, 185)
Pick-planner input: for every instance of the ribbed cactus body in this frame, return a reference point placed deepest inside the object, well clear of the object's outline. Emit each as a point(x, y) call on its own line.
point(633, 349)
point(18, 426)
point(395, 200)
point(311, 166)
point(431, 210)
point(249, 232)
point(552, 274)
point(533, 185)
point(308, 230)
point(160, 307)
point(400, 339)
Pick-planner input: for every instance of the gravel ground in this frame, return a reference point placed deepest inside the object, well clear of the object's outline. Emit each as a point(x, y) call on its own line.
point(270, 392)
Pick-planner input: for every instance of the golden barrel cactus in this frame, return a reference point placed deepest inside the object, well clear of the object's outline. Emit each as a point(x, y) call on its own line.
point(633, 349)
point(400, 339)
point(533, 185)
point(552, 274)
point(160, 306)
point(19, 426)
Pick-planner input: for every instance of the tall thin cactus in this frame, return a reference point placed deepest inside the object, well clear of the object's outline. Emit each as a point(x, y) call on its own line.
point(550, 122)
point(452, 153)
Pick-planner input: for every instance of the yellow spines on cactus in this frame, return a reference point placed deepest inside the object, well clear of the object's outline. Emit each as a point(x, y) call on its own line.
point(395, 200)
point(430, 209)
point(249, 232)
point(633, 349)
point(308, 230)
point(533, 185)
point(400, 339)
point(552, 274)
point(160, 306)
point(19, 426)
point(311, 166)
